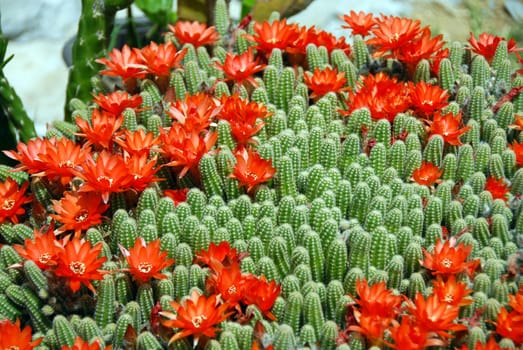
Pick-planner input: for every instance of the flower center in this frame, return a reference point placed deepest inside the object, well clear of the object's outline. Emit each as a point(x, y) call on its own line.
point(446, 262)
point(77, 267)
point(12, 347)
point(8, 204)
point(81, 216)
point(44, 258)
point(197, 320)
point(232, 290)
point(103, 178)
point(66, 164)
point(448, 298)
point(253, 176)
point(145, 267)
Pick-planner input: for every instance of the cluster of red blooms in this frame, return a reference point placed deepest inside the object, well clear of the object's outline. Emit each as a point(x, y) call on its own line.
point(199, 315)
point(422, 322)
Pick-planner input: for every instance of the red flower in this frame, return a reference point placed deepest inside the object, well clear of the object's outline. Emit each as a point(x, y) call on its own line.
point(377, 300)
point(106, 175)
point(184, 148)
point(392, 34)
point(434, 315)
point(244, 117)
point(227, 282)
point(452, 292)
point(449, 258)
point(102, 129)
point(80, 344)
point(448, 126)
point(138, 142)
point(78, 212)
point(497, 187)
point(257, 291)
point(222, 253)
point(12, 198)
point(241, 67)
point(492, 344)
point(409, 335)
point(251, 169)
point(160, 59)
point(424, 46)
point(43, 249)
point(326, 39)
point(518, 122)
point(359, 23)
point(510, 325)
point(28, 153)
point(125, 64)
point(195, 112)
point(141, 171)
point(426, 99)
point(488, 43)
point(385, 97)
point(116, 102)
point(15, 338)
point(196, 315)
point(427, 174)
point(146, 260)
point(518, 150)
point(60, 159)
point(178, 196)
point(79, 263)
point(324, 81)
point(372, 327)
point(194, 33)
point(275, 34)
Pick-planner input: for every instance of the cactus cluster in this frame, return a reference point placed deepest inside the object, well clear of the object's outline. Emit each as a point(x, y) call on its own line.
point(356, 209)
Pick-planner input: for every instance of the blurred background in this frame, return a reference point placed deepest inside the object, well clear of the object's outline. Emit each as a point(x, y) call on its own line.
point(38, 30)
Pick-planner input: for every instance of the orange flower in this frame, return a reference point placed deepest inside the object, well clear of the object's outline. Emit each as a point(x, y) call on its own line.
point(275, 34)
point(434, 315)
point(116, 102)
point(385, 97)
point(160, 59)
point(359, 23)
point(184, 148)
point(257, 291)
point(141, 171)
point(15, 338)
point(427, 174)
point(408, 335)
point(80, 344)
point(78, 212)
point(251, 169)
point(12, 198)
point(518, 150)
point(197, 316)
point(194, 33)
point(488, 43)
point(448, 126)
point(43, 249)
point(227, 282)
point(28, 153)
point(195, 112)
point(518, 123)
point(106, 175)
point(60, 159)
point(377, 300)
point(241, 67)
point(424, 46)
point(372, 327)
point(452, 292)
point(497, 187)
point(449, 258)
point(492, 344)
point(138, 142)
point(326, 39)
point(102, 129)
point(178, 196)
point(244, 117)
point(146, 260)
point(426, 99)
point(392, 34)
point(222, 253)
point(510, 325)
point(79, 263)
point(125, 64)
point(324, 81)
